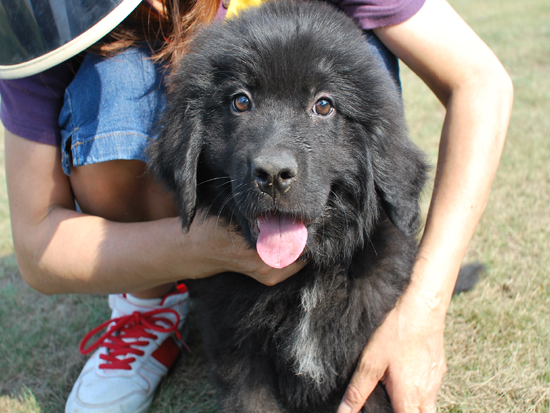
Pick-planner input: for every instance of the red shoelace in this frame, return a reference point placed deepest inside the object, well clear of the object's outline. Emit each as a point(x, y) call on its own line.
point(134, 327)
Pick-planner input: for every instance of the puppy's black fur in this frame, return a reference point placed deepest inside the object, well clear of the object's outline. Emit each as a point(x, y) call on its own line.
point(354, 180)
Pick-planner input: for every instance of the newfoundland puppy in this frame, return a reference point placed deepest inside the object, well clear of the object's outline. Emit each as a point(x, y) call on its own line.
point(283, 123)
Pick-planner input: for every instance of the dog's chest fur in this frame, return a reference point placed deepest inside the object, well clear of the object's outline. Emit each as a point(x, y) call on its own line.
point(306, 348)
point(307, 333)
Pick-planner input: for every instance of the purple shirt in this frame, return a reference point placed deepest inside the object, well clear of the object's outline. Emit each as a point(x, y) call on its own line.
point(372, 14)
point(30, 107)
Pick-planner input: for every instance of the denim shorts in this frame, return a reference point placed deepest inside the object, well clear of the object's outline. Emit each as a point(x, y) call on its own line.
point(388, 59)
point(111, 108)
point(113, 104)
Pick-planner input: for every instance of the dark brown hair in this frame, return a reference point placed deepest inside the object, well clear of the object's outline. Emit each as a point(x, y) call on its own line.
point(167, 33)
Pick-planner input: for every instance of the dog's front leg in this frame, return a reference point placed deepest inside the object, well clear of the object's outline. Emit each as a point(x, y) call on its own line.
point(378, 401)
point(245, 385)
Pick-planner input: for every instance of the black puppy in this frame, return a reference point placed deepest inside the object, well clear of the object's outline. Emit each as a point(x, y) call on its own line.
point(283, 122)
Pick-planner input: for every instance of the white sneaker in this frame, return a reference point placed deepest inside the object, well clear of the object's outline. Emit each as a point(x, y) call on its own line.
point(132, 356)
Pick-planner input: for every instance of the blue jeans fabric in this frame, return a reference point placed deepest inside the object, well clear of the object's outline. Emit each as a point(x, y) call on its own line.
point(111, 108)
point(390, 61)
point(113, 104)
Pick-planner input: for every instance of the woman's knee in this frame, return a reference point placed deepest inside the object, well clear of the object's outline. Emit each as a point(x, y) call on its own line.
point(120, 190)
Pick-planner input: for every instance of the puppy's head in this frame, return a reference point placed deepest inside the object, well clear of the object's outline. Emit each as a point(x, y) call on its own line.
point(283, 121)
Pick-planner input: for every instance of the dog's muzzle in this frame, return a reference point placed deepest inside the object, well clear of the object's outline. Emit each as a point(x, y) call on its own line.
point(274, 174)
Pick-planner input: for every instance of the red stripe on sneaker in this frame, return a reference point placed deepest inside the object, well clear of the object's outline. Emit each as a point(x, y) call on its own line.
point(167, 353)
point(181, 288)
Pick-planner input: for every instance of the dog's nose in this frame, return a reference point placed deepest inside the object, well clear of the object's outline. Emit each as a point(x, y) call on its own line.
point(274, 174)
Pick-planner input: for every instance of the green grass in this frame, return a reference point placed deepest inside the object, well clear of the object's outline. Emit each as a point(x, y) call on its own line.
point(498, 336)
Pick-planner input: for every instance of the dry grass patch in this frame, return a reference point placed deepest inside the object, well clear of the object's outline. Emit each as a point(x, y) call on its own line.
point(22, 404)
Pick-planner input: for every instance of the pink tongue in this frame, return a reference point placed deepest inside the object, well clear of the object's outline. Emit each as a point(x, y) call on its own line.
point(281, 240)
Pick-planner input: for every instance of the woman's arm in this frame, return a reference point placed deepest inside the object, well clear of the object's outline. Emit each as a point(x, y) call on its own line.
point(60, 250)
point(407, 351)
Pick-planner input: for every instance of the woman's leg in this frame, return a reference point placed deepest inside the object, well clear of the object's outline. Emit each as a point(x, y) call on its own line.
point(123, 191)
point(107, 122)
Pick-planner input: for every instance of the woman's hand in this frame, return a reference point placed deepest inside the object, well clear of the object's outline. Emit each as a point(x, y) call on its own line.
point(407, 355)
point(228, 251)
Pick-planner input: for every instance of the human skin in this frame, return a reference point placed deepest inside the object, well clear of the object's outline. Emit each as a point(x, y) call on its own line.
point(60, 250)
point(407, 352)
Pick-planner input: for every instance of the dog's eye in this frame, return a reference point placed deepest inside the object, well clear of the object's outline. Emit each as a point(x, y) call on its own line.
point(323, 107)
point(241, 103)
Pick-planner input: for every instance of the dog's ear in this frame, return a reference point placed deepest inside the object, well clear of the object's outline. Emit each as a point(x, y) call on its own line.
point(174, 157)
point(400, 172)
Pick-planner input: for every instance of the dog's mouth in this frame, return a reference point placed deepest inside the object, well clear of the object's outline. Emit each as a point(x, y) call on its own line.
point(281, 238)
